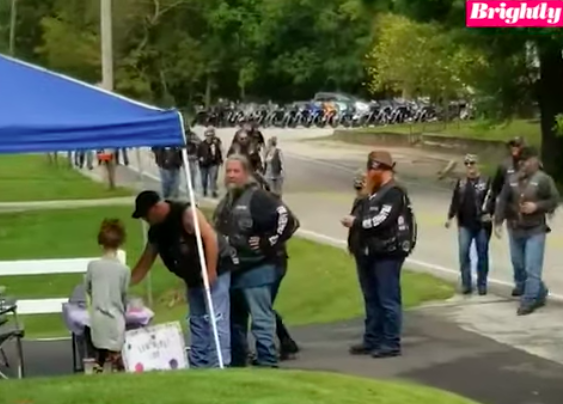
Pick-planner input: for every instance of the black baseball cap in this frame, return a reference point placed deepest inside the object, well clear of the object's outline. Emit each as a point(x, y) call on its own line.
point(144, 202)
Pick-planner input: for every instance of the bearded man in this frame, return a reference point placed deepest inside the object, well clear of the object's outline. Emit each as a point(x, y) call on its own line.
point(385, 228)
point(257, 225)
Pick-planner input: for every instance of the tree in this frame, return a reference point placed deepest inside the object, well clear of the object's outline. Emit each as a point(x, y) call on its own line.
point(420, 59)
point(500, 43)
point(70, 42)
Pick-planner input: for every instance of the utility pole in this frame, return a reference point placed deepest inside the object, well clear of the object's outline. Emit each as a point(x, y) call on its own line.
point(106, 39)
point(13, 22)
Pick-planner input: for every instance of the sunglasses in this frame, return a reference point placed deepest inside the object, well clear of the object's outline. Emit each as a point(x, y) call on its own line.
point(469, 163)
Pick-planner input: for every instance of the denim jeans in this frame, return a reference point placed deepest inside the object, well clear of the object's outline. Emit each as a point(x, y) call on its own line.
point(481, 238)
point(124, 155)
point(170, 181)
point(255, 302)
point(194, 174)
point(276, 185)
point(380, 281)
point(281, 329)
point(526, 253)
point(209, 178)
point(203, 352)
point(84, 156)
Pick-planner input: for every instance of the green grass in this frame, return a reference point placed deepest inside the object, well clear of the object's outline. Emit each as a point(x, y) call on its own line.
point(529, 129)
point(321, 285)
point(33, 178)
point(225, 387)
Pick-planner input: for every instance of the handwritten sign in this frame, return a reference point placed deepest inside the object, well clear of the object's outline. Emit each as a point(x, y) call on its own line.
point(158, 347)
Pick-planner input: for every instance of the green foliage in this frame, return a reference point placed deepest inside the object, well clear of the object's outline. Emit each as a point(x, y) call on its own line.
point(420, 59)
point(558, 124)
point(176, 52)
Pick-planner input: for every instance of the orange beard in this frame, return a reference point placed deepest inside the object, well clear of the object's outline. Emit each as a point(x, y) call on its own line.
point(373, 183)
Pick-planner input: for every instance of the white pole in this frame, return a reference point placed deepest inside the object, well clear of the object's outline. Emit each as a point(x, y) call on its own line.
point(13, 22)
point(106, 39)
point(141, 168)
point(200, 250)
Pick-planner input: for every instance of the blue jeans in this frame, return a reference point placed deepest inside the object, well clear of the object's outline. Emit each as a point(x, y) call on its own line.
point(123, 153)
point(209, 178)
point(380, 281)
point(466, 237)
point(194, 169)
point(84, 156)
point(281, 329)
point(255, 302)
point(170, 181)
point(526, 253)
point(203, 352)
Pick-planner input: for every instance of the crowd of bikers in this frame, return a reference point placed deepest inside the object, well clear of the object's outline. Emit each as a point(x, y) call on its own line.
point(244, 244)
point(520, 194)
point(206, 157)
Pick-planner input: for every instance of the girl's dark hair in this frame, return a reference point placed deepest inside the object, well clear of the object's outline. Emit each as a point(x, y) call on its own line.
point(112, 234)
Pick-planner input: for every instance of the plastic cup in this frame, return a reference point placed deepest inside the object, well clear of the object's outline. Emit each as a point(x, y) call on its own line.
point(89, 365)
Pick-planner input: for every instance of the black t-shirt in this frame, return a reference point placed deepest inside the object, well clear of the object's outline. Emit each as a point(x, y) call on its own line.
point(178, 249)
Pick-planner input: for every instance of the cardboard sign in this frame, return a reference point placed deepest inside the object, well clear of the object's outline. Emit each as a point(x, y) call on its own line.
point(157, 347)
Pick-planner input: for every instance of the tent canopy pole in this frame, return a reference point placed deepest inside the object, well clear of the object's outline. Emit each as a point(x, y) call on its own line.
point(201, 250)
point(144, 229)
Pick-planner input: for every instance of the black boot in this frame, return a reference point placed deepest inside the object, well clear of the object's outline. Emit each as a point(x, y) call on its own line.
point(288, 349)
point(360, 349)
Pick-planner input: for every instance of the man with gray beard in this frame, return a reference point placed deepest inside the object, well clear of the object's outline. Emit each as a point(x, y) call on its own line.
point(257, 225)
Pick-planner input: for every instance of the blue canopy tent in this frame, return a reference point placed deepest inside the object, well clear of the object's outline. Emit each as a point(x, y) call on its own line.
point(42, 111)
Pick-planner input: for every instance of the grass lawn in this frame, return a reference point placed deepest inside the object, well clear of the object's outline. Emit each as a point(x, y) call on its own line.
point(33, 178)
point(225, 387)
point(529, 129)
point(321, 285)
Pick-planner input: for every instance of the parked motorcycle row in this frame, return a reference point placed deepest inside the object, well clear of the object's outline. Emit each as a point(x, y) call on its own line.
point(318, 113)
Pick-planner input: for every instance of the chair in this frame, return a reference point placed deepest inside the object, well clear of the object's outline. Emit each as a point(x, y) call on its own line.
point(11, 332)
point(17, 335)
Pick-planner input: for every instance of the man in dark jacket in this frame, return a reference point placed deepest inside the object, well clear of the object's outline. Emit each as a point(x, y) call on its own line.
point(527, 197)
point(192, 144)
point(472, 205)
point(387, 234)
point(210, 158)
point(508, 166)
point(257, 225)
point(169, 162)
point(249, 141)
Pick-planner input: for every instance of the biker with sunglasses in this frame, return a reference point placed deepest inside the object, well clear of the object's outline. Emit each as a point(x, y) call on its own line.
point(472, 205)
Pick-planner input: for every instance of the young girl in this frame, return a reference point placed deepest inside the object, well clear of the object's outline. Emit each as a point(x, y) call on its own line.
point(107, 281)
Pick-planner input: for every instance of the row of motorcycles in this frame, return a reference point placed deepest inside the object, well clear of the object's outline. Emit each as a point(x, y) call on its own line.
point(329, 114)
